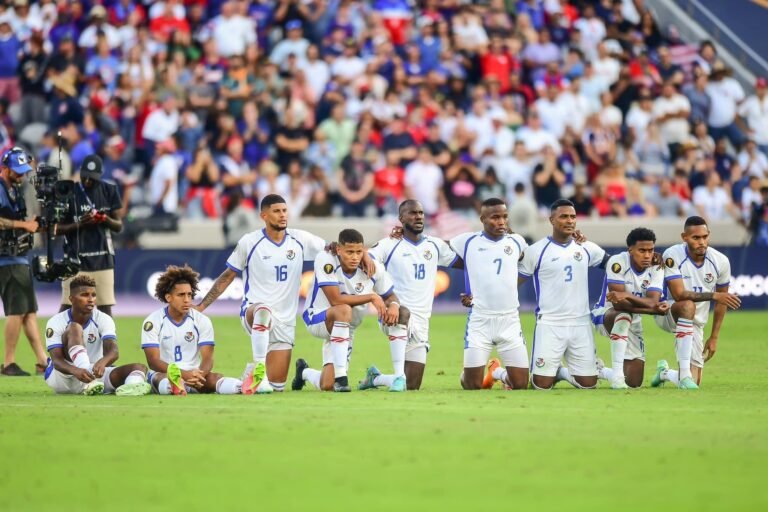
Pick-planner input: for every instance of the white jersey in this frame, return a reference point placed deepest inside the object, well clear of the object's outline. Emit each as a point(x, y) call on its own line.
point(715, 272)
point(413, 267)
point(490, 271)
point(272, 272)
point(178, 343)
point(619, 271)
point(560, 279)
point(328, 272)
point(99, 328)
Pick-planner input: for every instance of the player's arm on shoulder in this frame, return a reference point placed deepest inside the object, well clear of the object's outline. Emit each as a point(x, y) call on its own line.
point(222, 283)
point(597, 255)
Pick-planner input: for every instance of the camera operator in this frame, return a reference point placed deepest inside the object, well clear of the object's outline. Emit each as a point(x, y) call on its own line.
point(16, 289)
point(93, 215)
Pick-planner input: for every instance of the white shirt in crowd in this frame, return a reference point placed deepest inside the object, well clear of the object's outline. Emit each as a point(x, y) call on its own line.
point(755, 111)
point(284, 48)
point(160, 125)
point(726, 94)
point(672, 130)
point(638, 120)
point(714, 203)
point(89, 36)
point(424, 180)
point(553, 117)
point(348, 68)
point(317, 73)
point(233, 35)
point(536, 140)
point(166, 170)
point(757, 165)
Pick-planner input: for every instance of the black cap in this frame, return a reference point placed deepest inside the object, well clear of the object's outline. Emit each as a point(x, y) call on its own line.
point(91, 168)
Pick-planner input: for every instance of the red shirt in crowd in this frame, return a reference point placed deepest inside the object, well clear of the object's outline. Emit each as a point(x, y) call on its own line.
point(389, 182)
point(498, 65)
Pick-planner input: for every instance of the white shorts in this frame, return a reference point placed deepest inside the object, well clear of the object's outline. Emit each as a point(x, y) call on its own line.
point(63, 384)
point(316, 327)
point(484, 332)
point(282, 336)
point(635, 342)
point(418, 338)
point(553, 343)
point(667, 323)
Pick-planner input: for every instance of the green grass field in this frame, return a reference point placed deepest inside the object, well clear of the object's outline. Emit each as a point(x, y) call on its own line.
point(439, 448)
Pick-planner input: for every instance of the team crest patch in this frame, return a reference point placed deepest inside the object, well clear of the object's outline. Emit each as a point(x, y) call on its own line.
point(577, 256)
point(328, 268)
point(290, 254)
point(189, 336)
point(91, 338)
point(616, 268)
point(709, 278)
point(669, 262)
point(540, 362)
point(359, 287)
point(645, 284)
point(507, 249)
point(49, 333)
point(427, 255)
point(148, 326)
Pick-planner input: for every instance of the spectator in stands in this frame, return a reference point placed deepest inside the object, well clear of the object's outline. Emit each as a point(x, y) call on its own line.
point(751, 198)
point(320, 199)
point(424, 182)
point(163, 181)
point(33, 68)
point(671, 111)
point(339, 130)
point(753, 161)
point(754, 112)
point(461, 180)
point(389, 185)
point(668, 70)
point(202, 198)
point(637, 206)
point(726, 94)
point(665, 201)
point(599, 146)
point(652, 152)
point(548, 177)
point(640, 115)
point(580, 199)
point(10, 48)
point(89, 36)
point(290, 140)
point(161, 124)
point(522, 212)
point(725, 162)
point(400, 141)
point(238, 176)
point(294, 44)
point(232, 32)
point(354, 181)
point(712, 202)
point(696, 92)
point(758, 225)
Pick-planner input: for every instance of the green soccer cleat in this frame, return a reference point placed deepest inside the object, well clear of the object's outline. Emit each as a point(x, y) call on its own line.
point(95, 387)
point(370, 374)
point(174, 377)
point(661, 367)
point(135, 389)
point(398, 385)
point(687, 383)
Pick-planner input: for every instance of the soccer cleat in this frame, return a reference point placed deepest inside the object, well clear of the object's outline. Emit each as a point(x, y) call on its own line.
point(370, 374)
point(135, 389)
point(177, 383)
point(688, 383)
point(661, 367)
point(341, 385)
point(95, 387)
point(13, 370)
point(254, 377)
point(599, 365)
point(298, 380)
point(488, 380)
point(264, 387)
point(398, 385)
point(619, 384)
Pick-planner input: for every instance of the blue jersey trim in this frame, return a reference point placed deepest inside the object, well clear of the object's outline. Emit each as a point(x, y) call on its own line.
point(205, 343)
point(389, 257)
point(671, 278)
point(467, 284)
point(388, 293)
point(56, 345)
point(229, 265)
point(654, 289)
point(150, 345)
point(536, 285)
point(614, 281)
point(315, 319)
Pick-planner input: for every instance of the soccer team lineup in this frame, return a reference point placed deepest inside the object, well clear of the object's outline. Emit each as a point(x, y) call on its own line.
point(396, 277)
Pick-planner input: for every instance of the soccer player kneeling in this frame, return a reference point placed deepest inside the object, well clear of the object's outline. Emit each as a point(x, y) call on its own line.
point(632, 287)
point(82, 342)
point(340, 295)
point(178, 340)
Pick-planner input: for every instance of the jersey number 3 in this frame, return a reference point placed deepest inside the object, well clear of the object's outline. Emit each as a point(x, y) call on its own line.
point(569, 273)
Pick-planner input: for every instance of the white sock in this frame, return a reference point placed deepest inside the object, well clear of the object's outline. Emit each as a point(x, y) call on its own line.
point(683, 346)
point(605, 374)
point(262, 320)
point(277, 387)
point(384, 380)
point(229, 386)
point(398, 337)
point(312, 376)
point(500, 373)
point(135, 377)
point(340, 348)
point(79, 356)
point(564, 374)
point(164, 388)
point(619, 338)
point(672, 376)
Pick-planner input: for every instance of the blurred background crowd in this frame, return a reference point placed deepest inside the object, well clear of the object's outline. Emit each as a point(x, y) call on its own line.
point(199, 108)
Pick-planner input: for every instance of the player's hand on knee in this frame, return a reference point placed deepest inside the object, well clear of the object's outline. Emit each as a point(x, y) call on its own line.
point(710, 347)
point(83, 375)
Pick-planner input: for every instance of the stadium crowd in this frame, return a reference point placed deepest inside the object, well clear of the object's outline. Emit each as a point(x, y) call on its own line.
point(345, 107)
